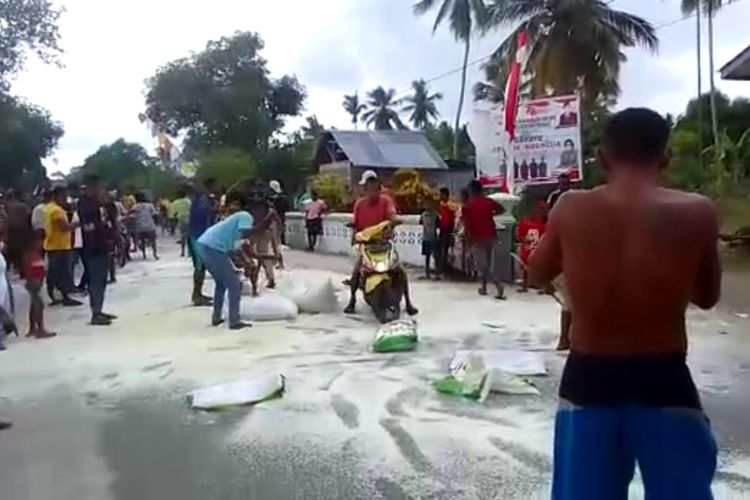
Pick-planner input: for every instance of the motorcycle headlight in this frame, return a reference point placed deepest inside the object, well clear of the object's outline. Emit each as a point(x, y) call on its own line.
point(381, 267)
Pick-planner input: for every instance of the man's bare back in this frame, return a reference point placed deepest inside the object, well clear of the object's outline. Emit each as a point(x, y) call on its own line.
point(634, 256)
point(633, 262)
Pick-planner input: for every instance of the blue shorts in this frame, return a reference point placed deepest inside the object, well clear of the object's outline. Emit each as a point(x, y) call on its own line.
point(597, 447)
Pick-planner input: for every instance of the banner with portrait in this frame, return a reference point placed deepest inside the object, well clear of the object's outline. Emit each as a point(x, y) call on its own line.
point(547, 144)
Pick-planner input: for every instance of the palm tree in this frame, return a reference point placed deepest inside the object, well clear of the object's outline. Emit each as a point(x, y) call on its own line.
point(312, 127)
point(421, 104)
point(353, 107)
point(709, 7)
point(574, 46)
point(379, 110)
point(464, 17)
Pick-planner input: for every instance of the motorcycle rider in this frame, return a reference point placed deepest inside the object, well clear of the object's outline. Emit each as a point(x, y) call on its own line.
point(371, 209)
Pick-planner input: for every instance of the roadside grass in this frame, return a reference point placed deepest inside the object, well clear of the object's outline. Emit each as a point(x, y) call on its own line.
point(735, 213)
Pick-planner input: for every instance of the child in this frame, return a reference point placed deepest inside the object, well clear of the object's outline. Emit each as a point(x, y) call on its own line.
point(529, 231)
point(429, 219)
point(34, 274)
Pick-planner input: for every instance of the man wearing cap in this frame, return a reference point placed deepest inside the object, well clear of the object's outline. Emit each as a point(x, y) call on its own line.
point(371, 209)
point(278, 228)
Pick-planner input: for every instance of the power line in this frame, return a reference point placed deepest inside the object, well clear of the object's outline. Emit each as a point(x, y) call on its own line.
point(485, 57)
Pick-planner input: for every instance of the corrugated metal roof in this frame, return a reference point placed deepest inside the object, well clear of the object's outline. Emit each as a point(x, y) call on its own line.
point(388, 149)
point(738, 68)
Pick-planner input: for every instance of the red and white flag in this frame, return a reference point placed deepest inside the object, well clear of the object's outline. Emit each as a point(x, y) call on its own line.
point(512, 89)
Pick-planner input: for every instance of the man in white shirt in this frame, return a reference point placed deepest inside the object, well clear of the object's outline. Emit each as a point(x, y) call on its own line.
point(37, 215)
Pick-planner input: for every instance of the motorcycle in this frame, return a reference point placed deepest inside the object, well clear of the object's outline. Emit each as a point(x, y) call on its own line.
point(382, 278)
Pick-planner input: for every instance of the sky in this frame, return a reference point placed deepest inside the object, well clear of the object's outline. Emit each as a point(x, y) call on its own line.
point(333, 46)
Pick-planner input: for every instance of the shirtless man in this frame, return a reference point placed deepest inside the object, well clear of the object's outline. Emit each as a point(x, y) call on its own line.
point(634, 256)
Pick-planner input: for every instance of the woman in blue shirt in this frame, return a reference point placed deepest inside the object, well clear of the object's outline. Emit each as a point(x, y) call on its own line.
point(216, 245)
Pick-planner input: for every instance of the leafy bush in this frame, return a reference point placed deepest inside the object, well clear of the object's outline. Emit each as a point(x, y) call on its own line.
point(410, 192)
point(333, 190)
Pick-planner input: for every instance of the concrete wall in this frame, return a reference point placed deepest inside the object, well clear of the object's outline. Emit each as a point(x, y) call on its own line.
point(336, 239)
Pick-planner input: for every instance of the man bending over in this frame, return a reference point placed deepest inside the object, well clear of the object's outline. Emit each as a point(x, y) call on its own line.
point(634, 256)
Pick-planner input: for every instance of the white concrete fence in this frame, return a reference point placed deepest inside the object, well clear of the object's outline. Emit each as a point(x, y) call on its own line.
point(336, 238)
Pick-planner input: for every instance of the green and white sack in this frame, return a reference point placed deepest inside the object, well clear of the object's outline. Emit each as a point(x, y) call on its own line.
point(468, 379)
point(396, 336)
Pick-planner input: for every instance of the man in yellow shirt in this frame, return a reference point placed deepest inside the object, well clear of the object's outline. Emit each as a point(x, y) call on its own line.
point(58, 244)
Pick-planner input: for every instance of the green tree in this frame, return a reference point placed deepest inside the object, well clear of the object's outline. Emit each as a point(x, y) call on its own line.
point(27, 135)
point(118, 164)
point(127, 166)
point(464, 17)
point(27, 26)
point(227, 166)
point(380, 111)
point(496, 76)
point(730, 162)
point(709, 7)
point(353, 107)
point(732, 114)
point(685, 170)
point(223, 96)
point(575, 45)
point(443, 138)
point(312, 128)
point(421, 104)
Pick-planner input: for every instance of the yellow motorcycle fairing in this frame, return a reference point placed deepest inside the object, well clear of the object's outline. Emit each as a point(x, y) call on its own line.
point(372, 233)
point(374, 258)
point(374, 280)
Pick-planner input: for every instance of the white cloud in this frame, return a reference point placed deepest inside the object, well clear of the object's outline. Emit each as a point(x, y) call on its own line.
point(334, 47)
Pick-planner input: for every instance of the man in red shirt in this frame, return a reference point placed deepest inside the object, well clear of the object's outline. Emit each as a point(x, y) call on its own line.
point(371, 209)
point(447, 224)
point(479, 223)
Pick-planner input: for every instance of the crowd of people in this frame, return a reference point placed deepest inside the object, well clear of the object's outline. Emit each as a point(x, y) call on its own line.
point(46, 237)
point(51, 237)
point(634, 255)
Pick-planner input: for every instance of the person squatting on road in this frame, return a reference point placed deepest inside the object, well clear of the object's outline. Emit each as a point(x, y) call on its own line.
point(216, 246)
point(634, 256)
point(371, 209)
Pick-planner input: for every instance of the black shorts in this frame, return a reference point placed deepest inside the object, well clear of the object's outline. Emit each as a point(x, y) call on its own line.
point(314, 226)
point(429, 248)
point(146, 236)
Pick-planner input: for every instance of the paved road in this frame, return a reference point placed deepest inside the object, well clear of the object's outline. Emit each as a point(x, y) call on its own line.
point(101, 414)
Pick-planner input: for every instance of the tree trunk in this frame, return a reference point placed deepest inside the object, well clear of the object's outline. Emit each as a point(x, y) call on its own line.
point(461, 97)
point(714, 118)
point(699, 61)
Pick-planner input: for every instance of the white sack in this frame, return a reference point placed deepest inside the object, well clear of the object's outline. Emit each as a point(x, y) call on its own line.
point(248, 391)
point(269, 307)
point(311, 298)
point(523, 363)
